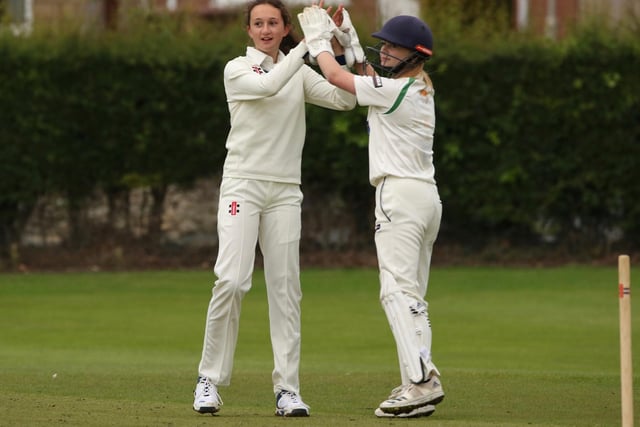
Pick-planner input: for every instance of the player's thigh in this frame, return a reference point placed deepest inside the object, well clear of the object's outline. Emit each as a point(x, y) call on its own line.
point(238, 224)
point(399, 230)
point(280, 230)
point(407, 219)
point(281, 221)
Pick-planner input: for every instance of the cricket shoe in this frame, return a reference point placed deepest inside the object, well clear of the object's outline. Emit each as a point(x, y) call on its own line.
point(413, 396)
point(423, 411)
point(206, 397)
point(289, 404)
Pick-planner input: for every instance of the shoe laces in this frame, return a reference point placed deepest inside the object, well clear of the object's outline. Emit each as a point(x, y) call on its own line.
point(291, 398)
point(209, 389)
point(403, 392)
point(398, 390)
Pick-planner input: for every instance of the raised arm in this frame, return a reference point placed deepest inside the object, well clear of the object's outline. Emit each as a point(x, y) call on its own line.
point(334, 73)
point(242, 83)
point(319, 29)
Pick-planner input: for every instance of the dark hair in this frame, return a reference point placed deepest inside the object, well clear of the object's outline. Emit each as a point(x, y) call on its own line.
point(290, 40)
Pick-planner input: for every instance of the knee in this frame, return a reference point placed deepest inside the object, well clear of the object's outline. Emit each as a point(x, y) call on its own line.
point(388, 285)
point(231, 288)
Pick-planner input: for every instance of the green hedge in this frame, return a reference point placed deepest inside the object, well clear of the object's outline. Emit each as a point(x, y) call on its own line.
point(541, 140)
point(80, 114)
point(534, 141)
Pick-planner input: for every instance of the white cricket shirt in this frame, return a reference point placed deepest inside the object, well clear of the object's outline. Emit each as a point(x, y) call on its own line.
point(401, 121)
point(267, 111)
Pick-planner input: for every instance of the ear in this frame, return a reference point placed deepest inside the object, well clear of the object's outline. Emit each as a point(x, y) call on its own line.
point(287, 30)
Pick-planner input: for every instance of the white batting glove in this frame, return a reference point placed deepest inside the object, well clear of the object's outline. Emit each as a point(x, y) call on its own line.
point(316, 26)
point(345, 41)
point(353, 52)
point(343, 36)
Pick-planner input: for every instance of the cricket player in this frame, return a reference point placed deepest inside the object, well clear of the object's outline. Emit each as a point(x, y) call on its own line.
point(260, 202)
point(401, 119)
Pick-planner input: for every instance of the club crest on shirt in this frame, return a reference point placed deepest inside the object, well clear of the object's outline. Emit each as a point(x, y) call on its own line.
point(257, 69)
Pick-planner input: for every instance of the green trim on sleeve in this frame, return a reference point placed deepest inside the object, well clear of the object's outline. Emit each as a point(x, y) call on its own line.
point(401, 96)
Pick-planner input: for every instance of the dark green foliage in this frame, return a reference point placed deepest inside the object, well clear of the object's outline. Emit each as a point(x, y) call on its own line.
point(335, 161)
point(540, 137)
point(80, 114)
point(534, 141)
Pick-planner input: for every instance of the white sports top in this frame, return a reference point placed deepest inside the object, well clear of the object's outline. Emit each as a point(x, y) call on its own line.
point(401, 125)
point(267, 109)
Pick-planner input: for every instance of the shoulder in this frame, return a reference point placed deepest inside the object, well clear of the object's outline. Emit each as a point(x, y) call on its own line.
point(426, 83)
point(234, 67)
point(251, 56)
point(238, 61)
point(381, 85)
point(242, 65)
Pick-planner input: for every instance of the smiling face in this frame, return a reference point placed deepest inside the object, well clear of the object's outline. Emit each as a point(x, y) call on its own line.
point(267, 28)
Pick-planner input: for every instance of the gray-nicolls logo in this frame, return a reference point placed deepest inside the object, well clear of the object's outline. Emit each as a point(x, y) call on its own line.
point(234, 208)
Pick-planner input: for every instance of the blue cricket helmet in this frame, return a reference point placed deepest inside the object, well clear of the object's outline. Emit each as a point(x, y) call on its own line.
point(409, 32)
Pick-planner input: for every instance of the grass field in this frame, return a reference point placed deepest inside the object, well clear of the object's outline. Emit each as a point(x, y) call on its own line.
point(516, 347)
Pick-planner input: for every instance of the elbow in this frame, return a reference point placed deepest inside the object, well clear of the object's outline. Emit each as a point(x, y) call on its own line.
point(347, 101)
point(351, 103)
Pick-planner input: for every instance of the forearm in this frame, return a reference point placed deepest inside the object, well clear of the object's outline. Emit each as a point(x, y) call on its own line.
point(334, 73)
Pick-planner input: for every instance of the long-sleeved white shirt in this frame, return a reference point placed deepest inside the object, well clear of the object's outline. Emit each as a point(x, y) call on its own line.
point(267, 109)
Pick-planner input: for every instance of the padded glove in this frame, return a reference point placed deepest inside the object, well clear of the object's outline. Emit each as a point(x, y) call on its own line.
point(316, 26)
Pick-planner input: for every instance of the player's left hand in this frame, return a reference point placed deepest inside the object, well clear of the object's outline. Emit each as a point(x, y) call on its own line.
point(317, 27)
point(344, 31)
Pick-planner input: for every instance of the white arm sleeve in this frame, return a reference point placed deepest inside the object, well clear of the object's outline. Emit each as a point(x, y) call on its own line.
point(318, 91)
point(243, 84)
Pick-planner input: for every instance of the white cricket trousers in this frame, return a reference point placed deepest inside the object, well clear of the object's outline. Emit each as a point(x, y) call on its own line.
point(408, 214)
point(269, 213)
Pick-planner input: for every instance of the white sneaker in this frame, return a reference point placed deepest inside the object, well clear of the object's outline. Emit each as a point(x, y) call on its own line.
point(206, 397)
point(423, 411)
point(397, 391)
point(289, 404)
point(405, 399)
